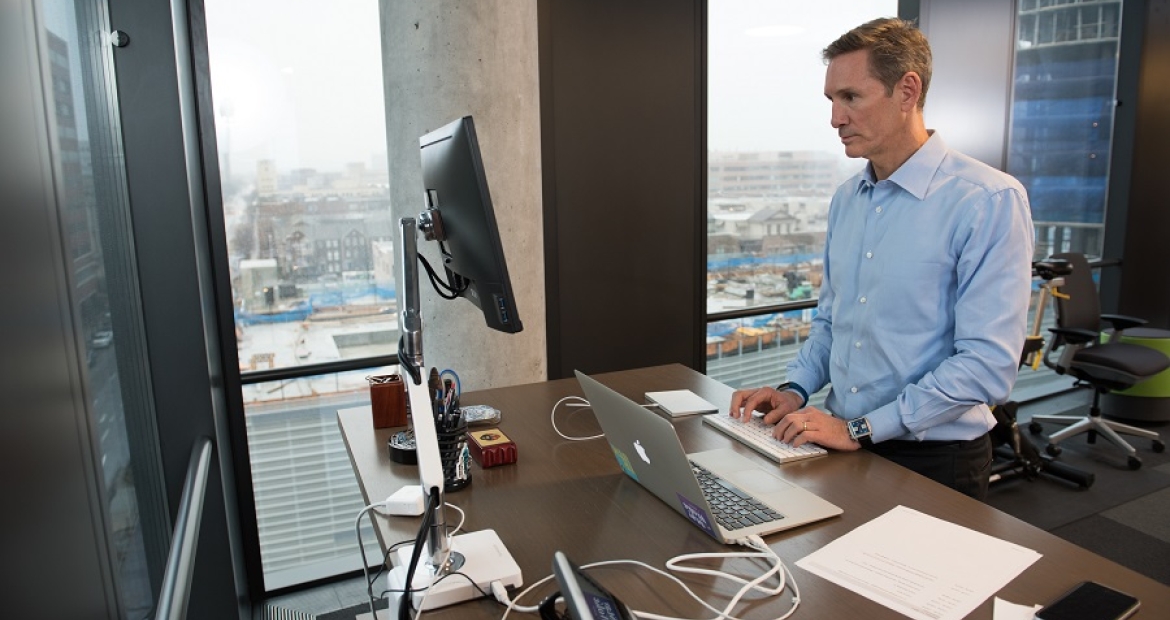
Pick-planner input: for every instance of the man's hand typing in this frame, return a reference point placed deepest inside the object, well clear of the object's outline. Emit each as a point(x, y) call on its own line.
point(793, 424)
point(773, 403)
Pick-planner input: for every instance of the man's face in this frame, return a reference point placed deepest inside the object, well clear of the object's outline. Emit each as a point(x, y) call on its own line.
point(868, 120)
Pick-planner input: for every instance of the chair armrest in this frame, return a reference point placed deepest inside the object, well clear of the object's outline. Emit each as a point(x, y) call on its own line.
point(1075, 336)
point(1121, 322)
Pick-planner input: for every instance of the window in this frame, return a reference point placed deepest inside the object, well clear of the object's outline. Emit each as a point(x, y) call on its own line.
point(773, 164)
point(94, 228)
point(302, 150)
point(1062, 118)
point(1065, 82)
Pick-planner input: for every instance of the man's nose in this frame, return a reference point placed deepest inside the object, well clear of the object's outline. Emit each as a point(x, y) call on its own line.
point(836, 117)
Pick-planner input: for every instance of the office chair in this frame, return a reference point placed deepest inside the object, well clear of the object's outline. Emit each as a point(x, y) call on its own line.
point(1104, 365)
point(1015, 455)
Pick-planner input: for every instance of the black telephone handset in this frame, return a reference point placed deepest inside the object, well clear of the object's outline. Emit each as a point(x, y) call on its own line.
point(1090, 601)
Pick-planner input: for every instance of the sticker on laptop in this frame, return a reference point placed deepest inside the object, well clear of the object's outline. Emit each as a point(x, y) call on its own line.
point(697, 515)
point(624, 462)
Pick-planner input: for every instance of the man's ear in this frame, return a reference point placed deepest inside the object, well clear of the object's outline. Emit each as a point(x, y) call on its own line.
point(908, 90)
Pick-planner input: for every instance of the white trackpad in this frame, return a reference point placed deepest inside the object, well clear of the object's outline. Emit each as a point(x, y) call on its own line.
point(757, 481)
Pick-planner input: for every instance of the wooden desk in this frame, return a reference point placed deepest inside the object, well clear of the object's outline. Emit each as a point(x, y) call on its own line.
point(571, 496)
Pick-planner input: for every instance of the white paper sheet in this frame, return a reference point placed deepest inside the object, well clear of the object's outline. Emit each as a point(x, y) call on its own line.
point(920, 566)
point(1003, 610)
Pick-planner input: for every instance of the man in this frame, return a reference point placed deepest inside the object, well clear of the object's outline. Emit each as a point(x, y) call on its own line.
point(927, 278)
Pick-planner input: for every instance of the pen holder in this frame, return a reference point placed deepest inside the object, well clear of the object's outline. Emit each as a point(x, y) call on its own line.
point(455, 456)
point(388, 401)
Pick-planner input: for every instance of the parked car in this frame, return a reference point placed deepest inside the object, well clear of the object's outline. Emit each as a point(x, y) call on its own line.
point(103, 339)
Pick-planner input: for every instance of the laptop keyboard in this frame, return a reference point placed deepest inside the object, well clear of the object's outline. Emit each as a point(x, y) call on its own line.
point(757, 435)
point(732, 507)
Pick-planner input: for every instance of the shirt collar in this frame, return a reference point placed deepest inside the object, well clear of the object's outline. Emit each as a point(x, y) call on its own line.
point(915, 175)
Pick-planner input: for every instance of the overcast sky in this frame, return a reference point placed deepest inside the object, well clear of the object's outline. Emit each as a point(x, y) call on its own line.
point(300, 81)
point(297, 81)
point(765, 75)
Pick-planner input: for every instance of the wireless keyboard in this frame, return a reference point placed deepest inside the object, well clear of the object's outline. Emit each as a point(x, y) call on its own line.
point(758, 436)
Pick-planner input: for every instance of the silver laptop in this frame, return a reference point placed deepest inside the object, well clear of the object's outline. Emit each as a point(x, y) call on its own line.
point(698, 486)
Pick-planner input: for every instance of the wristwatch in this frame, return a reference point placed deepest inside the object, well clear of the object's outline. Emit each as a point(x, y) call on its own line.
point(860, 431)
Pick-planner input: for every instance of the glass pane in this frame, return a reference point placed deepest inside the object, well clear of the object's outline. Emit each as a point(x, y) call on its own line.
point(745, 353)
point(302, 149)
point(93, 211)
point(1062, 119)
point(1039, 380)
point(774, 160)
point(305, 490)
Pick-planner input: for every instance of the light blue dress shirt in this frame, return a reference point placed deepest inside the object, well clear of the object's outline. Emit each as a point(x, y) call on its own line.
point(923, 306)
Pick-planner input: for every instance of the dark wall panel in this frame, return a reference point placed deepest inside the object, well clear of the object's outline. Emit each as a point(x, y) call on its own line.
point(1144, 268)
point(623, 138)
point(186, 385)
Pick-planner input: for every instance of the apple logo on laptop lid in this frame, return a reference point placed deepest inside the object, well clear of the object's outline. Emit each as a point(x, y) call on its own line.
point(641, 451)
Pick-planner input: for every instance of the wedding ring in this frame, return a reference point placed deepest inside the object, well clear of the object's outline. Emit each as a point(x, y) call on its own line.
point(805, 426)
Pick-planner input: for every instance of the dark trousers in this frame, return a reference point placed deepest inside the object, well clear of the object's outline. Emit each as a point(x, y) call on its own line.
point(965, 466)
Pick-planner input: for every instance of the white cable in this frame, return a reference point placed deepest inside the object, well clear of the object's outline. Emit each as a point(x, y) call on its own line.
point(362, 547)
point(764, 552)
point(502, 596)
point(754, 542)
point(511, 604)
point(462, 518)
point(577, 401)
point(421, 601)
point(581, 403)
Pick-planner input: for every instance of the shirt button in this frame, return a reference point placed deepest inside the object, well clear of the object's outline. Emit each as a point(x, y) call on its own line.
point(862, 300)
point(879, 209)
point(853, 389)
point(869, 254)
point(857, 345)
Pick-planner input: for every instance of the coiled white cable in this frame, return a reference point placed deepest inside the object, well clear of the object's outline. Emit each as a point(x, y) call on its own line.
point(580, 402)
point(762, 551)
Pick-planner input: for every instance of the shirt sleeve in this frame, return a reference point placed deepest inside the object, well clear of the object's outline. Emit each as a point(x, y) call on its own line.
point(810, 368)
point(994, 280)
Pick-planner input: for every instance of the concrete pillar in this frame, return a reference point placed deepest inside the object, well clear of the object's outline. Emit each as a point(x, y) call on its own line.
point(443, 59)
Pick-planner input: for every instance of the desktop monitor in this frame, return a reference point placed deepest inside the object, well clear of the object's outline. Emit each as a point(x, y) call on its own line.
point(456, 187)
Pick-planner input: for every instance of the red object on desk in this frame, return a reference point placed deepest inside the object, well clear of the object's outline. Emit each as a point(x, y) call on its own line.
point(490, 447)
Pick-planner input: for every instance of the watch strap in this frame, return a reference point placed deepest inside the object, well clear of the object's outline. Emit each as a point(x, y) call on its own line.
point(788, 385)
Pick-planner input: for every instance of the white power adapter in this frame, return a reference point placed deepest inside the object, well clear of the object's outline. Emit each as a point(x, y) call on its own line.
point(405, 502)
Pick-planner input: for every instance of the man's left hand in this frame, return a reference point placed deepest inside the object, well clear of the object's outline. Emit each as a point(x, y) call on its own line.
point(813, 425)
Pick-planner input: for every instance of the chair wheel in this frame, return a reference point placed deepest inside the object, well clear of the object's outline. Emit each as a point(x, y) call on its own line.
point(1035, 428)
point(1135, 463)
point(1052, 449)
point(1159, 445)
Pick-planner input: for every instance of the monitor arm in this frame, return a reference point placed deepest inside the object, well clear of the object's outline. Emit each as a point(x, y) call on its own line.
point(410, 348)
point(410, 357)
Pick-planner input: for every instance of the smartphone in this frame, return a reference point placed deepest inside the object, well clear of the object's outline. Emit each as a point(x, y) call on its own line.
point(1090, 601)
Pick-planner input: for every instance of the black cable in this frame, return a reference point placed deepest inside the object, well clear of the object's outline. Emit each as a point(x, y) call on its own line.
point(433, 275)
point(382, 567)
point(405, 602)
point(485, 593)
point(438, 284)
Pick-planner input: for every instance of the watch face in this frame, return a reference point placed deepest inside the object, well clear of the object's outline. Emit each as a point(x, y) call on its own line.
point(859, 427)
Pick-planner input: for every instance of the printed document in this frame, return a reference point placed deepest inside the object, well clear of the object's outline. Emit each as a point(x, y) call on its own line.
point(920, 566)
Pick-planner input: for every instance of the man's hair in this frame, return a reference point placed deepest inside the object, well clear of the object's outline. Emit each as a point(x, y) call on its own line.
point(896, 47)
